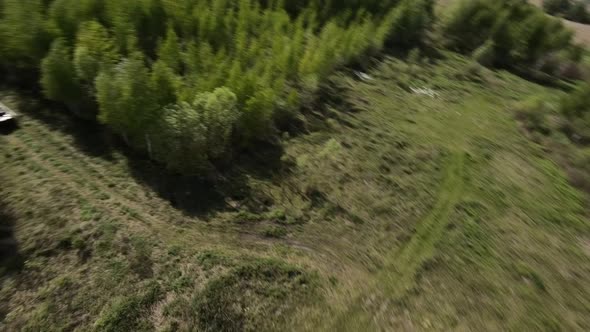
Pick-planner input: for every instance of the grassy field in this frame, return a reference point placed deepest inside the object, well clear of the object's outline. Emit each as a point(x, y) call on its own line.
point(414, 201)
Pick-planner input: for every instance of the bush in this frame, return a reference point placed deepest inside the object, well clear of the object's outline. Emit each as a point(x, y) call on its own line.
point(514, 32)
point(533, 114)
point(578, 12)
point(556, 6)
point(574, 10)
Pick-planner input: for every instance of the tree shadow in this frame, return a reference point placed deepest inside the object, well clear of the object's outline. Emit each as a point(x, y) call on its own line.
point(10, 257)
point(215, 190)
point(89, 136)
point(198, 196)
point(8, 127)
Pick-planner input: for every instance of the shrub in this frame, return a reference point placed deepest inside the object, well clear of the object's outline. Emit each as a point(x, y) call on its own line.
point(485, 54)
point(578, 12)
point(556, 6)
point(136, 58)
point(533, 113)
point(576, 108)
point(574, 10)
point(518, 33)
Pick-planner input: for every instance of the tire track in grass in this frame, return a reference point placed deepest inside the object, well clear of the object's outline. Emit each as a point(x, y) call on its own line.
point(399, 271)
point(405, 263)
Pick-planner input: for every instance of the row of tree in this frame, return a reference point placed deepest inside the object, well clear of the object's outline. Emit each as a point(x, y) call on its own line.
point(154, 67)
point(187, 80)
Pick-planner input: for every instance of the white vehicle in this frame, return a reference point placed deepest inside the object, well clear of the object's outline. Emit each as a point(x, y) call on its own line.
point(6, 114)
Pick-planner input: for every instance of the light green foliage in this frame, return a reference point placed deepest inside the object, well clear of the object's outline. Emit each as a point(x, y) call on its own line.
point(94, 51)
point(194, 133)
point(266, 52)
point(126, 98)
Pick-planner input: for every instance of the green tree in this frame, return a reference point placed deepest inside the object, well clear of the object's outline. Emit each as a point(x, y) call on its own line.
point(190, 135)
point(126, 98)
point(554, 7)
point(58, 75)
point(24, 39)
point(94, 51)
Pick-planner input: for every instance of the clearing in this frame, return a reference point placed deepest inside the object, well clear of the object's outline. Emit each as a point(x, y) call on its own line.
point(396, 211)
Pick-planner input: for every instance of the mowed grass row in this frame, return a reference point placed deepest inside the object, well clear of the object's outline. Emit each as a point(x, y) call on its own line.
point(105, 263)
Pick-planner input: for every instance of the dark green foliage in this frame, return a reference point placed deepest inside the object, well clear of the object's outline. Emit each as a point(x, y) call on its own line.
point(579, 13)
point(556, 6)
point(574, 10)
point(514, 32)
point(24, 39)
point(95, 51)
point(485, 54)
point(576, 108)
point(126, 98)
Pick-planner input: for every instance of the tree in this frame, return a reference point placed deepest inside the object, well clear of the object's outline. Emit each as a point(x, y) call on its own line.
point(554, 7)
point(126, 98)
point(58, 75)
point(95, 50)
point(190, 135)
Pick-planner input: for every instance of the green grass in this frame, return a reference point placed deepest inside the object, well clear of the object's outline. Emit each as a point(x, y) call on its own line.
point(395, 211)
